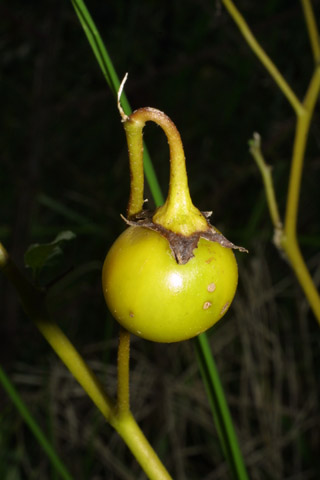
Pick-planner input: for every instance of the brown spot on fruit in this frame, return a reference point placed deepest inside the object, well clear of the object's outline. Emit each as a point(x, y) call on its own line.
point(209, 260)
point(206, 305)
point(131, 314)
point(211, 287)
point(224, 308)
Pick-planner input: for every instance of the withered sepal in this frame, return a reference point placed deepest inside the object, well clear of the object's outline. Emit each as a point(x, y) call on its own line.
point(181, 246)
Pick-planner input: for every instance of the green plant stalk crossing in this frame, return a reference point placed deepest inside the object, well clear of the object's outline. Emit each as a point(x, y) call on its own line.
point(105, 63)
point(33, 303)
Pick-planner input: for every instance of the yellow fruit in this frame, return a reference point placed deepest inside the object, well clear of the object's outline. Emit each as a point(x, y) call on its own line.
point(154, 297)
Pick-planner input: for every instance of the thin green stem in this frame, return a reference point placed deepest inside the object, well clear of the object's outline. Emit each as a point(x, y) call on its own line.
point(263, 57)
point(265, 170)
point(123, 397)
point(107, 68)
point(16, 399)
point(219, 407)
point(99, 50)
point(290, 247)
point(312, 29)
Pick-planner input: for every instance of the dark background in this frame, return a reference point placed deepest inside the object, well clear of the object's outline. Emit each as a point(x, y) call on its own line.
point(64, 166)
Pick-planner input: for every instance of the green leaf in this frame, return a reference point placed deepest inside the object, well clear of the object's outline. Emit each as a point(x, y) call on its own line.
point(39, 255)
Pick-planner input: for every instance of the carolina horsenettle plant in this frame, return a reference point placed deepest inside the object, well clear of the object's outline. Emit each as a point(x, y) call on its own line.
point(170, 275)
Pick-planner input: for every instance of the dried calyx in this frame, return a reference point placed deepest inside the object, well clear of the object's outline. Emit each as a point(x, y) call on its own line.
point(178, 220)
point(182, 246)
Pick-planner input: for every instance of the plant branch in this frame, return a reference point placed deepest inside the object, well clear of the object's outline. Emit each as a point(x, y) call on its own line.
point(265, 170)
point(263, 57)
point(33, 303)
point(312, 29)
point(286, 237)
point(149, 171)
point(289, 239)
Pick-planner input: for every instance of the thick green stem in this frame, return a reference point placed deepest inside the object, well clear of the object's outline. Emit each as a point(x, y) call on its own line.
point(289, 240)
point(130, 432)
point(302, 131)
point(178, 214)
point(34, 305)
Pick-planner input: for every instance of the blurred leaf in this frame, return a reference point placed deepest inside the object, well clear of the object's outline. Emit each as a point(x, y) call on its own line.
point(39, 255)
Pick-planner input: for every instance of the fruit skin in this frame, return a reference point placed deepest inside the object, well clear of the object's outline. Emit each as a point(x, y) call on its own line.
point(155, 298)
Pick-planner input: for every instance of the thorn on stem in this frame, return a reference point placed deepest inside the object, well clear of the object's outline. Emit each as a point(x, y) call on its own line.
point(124, 117)
point(255, 142)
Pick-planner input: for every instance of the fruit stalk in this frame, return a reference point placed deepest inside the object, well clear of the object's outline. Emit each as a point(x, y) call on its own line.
point(178, 213)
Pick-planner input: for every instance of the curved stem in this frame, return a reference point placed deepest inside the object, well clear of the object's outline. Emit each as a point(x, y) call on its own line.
point(133, 127)
point(178, 213)
point(123, 397)
point(312, 29)
point(135, 150)
point(263, 57)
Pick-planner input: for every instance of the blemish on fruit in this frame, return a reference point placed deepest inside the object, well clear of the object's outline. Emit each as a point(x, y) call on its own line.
point(131, 314)
point(211, 287)
point(206, 305)
point(209, 260)
point(225, 308)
